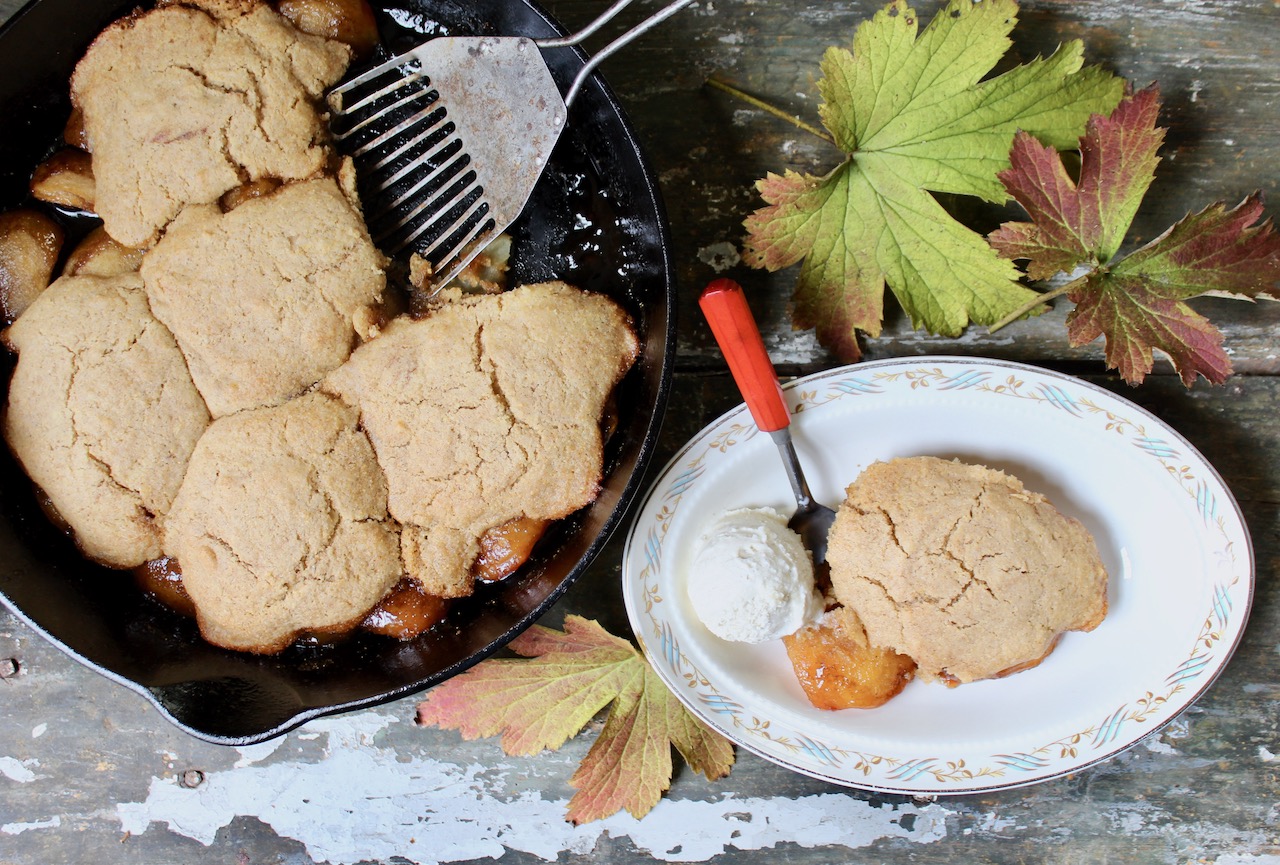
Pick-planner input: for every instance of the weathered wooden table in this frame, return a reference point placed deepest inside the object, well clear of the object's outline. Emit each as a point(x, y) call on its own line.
point(89, 772)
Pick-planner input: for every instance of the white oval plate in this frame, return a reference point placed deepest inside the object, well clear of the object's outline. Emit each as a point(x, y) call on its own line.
point(1170, 534)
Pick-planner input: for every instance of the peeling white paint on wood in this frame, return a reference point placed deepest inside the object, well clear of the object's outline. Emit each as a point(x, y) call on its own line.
point(363, 801)
point(719, 256)
point(1158, 746)
point(250, 754)
point(18, 770)
point(19, 828)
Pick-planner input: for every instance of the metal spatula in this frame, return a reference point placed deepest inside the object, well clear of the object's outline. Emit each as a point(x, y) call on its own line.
point(450, 138)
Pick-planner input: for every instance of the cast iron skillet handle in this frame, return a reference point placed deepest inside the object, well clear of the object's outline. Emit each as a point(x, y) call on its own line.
point(725, 306)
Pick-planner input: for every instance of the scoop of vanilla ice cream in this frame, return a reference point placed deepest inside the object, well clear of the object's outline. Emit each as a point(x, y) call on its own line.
point(751, 579)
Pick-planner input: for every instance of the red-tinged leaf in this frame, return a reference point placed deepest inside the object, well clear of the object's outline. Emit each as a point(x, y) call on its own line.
point(705, 750)
point(1216, 250)
point(1137, 303)
point(1117, 164)
point(1076, 223)
point(782, 233)
point(1049, 246)
point(536, 703)
point(629, 766)
point(1136, 316)
point(579, 635)
point(833, 294)
point(566, 678)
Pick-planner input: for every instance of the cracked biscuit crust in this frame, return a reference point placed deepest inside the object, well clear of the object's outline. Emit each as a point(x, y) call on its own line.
point(182, 104)
point(265, 300)
point(281, 526)
point(961, 568)
point(485, 411)
point(102, 413)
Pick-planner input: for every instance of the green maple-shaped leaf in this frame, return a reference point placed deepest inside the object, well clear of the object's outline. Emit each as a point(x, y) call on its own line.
point(1136, 303)
point(914, 116)
point(570, 676)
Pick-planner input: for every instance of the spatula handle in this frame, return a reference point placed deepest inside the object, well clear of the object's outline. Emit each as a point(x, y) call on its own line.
point(725, 307)
point(625, 39)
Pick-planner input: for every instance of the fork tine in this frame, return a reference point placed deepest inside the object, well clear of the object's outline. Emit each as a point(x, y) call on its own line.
point(426, 209)
point(455, 236)
point(427, 152)
point(427, 116)
point(470, 228)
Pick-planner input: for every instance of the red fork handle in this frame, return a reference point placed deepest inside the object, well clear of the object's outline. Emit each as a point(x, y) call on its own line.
point(725, 307)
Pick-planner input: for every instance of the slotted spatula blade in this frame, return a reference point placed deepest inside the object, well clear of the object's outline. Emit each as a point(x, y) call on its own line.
point(450, 138)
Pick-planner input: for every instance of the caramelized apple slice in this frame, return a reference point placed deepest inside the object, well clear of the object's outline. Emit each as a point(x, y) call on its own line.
point(348, 21)
point(838, 669)
point(99, 254)
point(29, 247)
point(73, 134)
point(66, 178)
point(405, 612)
point(233, 198)
point(162, 579)
point(505, 548)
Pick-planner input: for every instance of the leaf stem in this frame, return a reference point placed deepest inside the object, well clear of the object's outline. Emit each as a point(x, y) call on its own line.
point(1038, 300)
point(765, 106)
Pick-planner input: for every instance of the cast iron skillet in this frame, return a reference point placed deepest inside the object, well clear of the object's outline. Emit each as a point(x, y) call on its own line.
point(596, 220)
